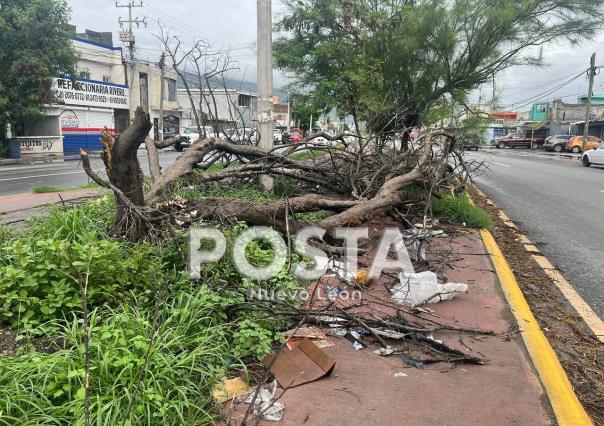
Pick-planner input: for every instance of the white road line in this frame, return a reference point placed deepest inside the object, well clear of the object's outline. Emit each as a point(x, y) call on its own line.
point(46, 175)
point(500, 164)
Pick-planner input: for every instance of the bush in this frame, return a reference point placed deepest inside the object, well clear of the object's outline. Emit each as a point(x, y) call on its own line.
point(460, 210)
point(36, 268)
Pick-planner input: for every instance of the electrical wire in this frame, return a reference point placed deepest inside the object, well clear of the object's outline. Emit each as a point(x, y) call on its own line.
point(532, 99)
point(161, 14)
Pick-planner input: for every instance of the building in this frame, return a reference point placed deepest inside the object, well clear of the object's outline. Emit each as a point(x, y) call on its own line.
point(280, 115)
point(145, 91)
point(97, 98)
point(227, 108)
point(103, 95)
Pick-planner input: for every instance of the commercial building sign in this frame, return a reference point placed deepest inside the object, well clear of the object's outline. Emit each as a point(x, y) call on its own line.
point(41, 144)
point(91, 93)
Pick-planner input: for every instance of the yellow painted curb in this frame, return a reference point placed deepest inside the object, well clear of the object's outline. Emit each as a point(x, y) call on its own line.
point(564, 401)
point(591, 319)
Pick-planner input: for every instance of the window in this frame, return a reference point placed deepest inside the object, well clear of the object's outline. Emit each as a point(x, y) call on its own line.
point(170, 90)
point(144, 89)
point(107, 78)
point(244, 100)
point(540, 107)
point(84, 75)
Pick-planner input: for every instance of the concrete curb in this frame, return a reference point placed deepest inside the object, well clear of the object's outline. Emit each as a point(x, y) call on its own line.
point(567, 407)
point(591, 319)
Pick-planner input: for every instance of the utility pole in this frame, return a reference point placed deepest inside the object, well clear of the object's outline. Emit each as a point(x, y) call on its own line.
point(265, 81)
point(128, 36)
point(310, 125)
point(591, 74)
point(288, 116)
point(160, 131)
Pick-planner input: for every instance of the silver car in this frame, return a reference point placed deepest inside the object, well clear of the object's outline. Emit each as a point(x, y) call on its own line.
point(556, 143)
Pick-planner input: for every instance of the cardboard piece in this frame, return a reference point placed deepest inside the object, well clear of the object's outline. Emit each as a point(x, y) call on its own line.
point(303, 364)
point(317, 336)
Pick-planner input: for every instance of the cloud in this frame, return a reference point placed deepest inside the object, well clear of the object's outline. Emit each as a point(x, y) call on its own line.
point(228, 23)
point(232, 23)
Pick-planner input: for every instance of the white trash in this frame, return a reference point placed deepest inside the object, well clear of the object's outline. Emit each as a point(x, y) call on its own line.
point(415, 289)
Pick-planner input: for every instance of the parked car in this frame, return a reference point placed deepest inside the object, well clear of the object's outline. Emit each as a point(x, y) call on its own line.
point(594, 156)
point(243, 135)
point(513, 140)
point(277, 136)
point(190, 135)
point(291, 137)
point(295, 137)
point(576, 144)
point(556, 143)
point(470, 144)
point(298, 131)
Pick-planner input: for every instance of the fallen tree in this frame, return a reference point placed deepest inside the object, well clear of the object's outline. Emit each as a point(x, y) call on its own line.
point(349, 177)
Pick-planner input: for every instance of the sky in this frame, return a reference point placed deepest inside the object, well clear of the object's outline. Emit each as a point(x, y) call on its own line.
point(232, 23)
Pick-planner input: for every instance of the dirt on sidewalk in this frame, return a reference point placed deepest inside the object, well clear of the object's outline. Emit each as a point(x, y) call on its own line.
point(579, 351)
point(370, 389)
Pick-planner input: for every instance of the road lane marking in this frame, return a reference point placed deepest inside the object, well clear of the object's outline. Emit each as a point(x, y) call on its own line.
point(567, 407)
point(45, 175)
point(500, 164)
point(590, 318)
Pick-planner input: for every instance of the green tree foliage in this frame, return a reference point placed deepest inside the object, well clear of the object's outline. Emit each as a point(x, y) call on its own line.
point(34, 48)
point(303, 109)
point(389, 61)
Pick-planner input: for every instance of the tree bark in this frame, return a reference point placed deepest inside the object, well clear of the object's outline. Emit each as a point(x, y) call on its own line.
point(124, 172)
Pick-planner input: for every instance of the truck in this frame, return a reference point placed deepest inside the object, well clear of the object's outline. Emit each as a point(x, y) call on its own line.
point(512, 140)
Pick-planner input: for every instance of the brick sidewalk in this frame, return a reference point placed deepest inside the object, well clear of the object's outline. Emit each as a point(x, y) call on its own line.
point(16, 203)
point(363, 388)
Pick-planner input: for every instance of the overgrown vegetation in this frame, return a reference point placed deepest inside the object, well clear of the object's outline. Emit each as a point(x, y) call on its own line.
point(204, 329)
point(460, 210)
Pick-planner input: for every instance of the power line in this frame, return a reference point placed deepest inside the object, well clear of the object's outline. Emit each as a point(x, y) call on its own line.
point(180, 25)
point(541, 85)
point(542, 95)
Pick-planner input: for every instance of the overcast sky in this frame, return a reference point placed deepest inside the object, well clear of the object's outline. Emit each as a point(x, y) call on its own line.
point(232, 23)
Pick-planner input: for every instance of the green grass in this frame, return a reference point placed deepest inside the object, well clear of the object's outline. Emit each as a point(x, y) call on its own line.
point(190, 353)
point(460, 210)
point(43, 189)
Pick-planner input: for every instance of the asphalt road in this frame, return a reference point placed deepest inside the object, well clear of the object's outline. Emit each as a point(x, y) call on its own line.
point(559, 205)
point(20, 179)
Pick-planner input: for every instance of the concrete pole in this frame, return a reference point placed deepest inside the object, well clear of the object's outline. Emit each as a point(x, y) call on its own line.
point(592, 72)
point(288, 116)
point(265, 81)
point(160, 130)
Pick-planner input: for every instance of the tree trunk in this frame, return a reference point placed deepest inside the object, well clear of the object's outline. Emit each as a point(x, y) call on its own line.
point(125, 174)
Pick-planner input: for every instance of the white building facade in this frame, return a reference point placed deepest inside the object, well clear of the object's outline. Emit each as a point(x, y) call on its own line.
point(227, 107)
point(145, 90)
point(97, 98)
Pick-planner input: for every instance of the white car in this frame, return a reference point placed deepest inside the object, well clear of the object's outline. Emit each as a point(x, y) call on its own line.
point(243, 135)
point(190, 135)
point(594, 156)
point(277, 136)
